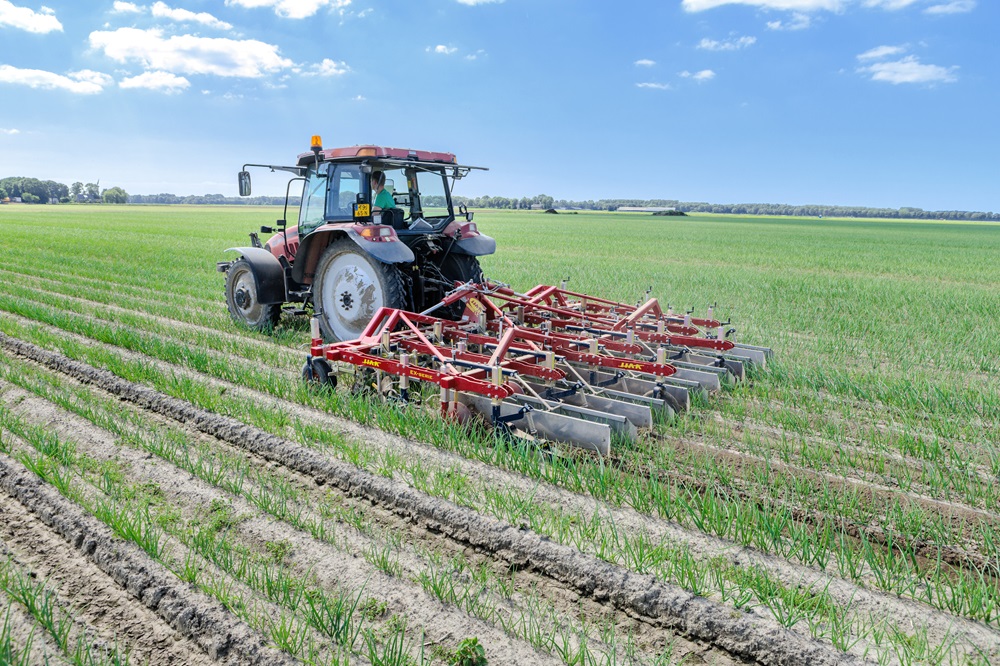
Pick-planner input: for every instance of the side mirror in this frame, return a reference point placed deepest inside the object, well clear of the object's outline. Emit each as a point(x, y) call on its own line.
point(464, 212)
point(244, 181)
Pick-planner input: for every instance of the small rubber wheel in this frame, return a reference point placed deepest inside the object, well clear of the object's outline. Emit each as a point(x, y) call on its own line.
point(321, 374)
point(241, 299)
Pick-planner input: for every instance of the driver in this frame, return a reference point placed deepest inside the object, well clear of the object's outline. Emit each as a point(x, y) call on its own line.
point(380, 196)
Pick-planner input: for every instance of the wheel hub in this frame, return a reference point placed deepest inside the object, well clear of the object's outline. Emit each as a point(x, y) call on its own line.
point(242, 298)
point(351, 294)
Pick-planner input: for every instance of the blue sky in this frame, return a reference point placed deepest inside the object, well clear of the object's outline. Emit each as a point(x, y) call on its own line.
point(855, 102)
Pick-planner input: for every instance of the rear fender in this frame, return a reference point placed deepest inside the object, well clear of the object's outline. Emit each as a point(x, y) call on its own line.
point(469, 240)
point(312, 246)
point(268, 275)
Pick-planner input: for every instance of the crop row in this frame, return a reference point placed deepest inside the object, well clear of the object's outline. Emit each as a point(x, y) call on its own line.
point(909, 523)
point(593, 533)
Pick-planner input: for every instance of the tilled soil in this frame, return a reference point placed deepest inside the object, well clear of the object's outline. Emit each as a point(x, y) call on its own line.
point(976, 637)
point(714, 631)
point(131, 594)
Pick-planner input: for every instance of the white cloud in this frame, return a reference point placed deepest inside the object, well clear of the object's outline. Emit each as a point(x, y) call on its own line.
point(162, 81)
point(187, 54)
point(909, 70)
point(9, 132)
point(654, 86)
point(359, 98)
point(881, 52)
point(126, 8)
point(442, 49)
point(799, 21)
point(25, 18)
point(90, 76)
point(791, 5)
point(703, 75)
point(727, 45)
point(293, 9)
point(329, 68)
point(475, 56)
point(889, 4)
point(954, 7)
point(645, 62)
point(802, 7)
point(82, 83)
point(162, 10)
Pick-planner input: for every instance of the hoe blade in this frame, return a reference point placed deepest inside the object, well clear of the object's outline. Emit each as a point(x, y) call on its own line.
point(552, 426)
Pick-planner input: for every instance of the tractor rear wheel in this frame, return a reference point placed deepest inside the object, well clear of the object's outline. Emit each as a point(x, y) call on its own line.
point(349, 288)
point(461, 268)
point(241, 299)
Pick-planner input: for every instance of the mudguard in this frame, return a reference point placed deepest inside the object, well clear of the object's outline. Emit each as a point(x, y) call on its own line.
point(267, 273)
point(476, 246)
point(391, 252)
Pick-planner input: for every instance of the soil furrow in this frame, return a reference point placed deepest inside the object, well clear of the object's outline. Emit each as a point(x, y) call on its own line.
point(673, 607)
point(341, 567)
point(220, 636)
point(864, 602)
point(96, 602)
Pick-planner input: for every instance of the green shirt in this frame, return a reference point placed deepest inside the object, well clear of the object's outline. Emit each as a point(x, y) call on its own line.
point(384, 200)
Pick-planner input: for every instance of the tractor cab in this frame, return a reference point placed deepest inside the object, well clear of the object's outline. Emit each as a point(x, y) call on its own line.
point(409, 254)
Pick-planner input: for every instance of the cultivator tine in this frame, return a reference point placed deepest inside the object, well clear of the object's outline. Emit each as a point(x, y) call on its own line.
point(550, 364)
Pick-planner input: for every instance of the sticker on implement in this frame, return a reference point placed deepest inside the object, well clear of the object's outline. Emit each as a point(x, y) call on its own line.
point(363, 210)
point(476, 306)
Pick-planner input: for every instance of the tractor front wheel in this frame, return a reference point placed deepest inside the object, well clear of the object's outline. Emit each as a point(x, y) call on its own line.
point(350, 287)
point(241, 299)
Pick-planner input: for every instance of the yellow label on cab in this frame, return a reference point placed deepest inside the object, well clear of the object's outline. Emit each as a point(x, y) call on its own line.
point(363, 210)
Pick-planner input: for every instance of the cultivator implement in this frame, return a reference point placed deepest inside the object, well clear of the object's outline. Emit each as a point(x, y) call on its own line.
point(549, 364)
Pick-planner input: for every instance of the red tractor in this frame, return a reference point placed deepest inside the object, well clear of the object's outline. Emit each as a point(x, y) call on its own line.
point(400, 305)
point(344, 258)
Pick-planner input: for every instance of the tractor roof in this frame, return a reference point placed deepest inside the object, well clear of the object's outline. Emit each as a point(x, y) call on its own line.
point(353, 153)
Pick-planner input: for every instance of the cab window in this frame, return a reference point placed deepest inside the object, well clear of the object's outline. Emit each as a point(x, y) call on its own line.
point(345, 185)
point(313, 199)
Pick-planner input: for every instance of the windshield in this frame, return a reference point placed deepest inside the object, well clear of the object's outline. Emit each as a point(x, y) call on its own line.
point(422, 195)
point(433, 194)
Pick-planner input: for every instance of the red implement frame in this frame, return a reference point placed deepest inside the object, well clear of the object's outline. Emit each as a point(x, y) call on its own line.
point(482, 352)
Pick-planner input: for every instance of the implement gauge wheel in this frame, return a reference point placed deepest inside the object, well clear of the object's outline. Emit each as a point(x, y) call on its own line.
point(320, 372)
point(241, 299)
point(349, 289)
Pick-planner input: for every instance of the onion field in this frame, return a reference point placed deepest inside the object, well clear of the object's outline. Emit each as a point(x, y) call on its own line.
point(171, 492)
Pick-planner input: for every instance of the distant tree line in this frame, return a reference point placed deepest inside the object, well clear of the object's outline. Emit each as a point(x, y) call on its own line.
point(32, 190)
point(35, 191)
point(213, 199)
point(544, 201)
